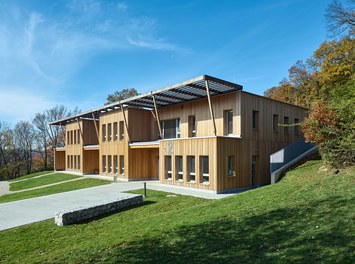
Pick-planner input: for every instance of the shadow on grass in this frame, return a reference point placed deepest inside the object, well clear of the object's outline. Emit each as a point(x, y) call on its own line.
point(145, 203)
point(296, 235)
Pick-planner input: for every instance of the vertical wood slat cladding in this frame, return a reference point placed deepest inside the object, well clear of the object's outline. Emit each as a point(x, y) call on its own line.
point(143, 163)
point(74, 149)
point(89, 132)
point(112, 147)
point(59, 160)
point(92, 161)
point(189, 147)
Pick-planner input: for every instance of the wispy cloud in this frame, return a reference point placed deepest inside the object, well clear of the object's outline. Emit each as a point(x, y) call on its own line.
point(41, 49)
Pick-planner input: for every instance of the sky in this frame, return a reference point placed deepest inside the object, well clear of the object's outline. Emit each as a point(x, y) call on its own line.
point(75, 53)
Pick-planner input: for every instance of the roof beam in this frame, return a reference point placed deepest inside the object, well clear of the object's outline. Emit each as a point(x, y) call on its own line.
point(157, 116)
point(210, 106)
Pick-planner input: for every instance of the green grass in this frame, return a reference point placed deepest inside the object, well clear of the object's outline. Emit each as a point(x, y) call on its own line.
point(31, 175)
point(35, 182)
point(306, 218)
point(63, 187)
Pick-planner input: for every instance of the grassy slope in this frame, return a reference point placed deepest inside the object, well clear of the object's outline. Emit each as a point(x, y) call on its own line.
point(63, 187)
point(31, 183)
point(31, 175)
point(306, 218)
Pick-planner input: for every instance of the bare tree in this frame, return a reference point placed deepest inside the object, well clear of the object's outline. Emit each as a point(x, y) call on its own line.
point(24, 139)
point(341, 19)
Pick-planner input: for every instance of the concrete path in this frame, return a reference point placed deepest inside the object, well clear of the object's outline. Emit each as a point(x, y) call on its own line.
point(32, 210)
point(4, 187)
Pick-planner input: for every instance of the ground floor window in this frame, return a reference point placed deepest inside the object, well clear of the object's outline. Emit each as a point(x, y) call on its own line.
point(231, 166)
point(205, 169)
point(115, 164)
point(122, 165)
point(78, 162)
point(179, 166)
point(68, 162)
point(71, 161)
point(191, 171)
point(104, 163)
point(109, 164)
point(168, 166)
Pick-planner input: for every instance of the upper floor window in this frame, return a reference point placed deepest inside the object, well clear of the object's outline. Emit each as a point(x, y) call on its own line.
point(275, 123)
point(115, 131)
point(171, 128)
point(109, 128)
point(192, 126)
point(286, 124)
point(255, 120)
point(79, 136)
point(228, 122)
point(296, 128)
point(104, 132)
point(74, 131)
point(121, 130)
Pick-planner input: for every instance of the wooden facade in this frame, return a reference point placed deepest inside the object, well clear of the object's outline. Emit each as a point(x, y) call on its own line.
point(230, 152)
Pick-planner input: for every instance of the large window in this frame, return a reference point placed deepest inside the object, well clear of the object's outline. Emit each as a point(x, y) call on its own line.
point(71, 137)
point(103, 132)
point(168, 166)
point(275, 123)
point(192, 126)
point(296, 127)
point(109, 128)
point(286, 124)
point(121, 130)
point(191, 171)
point(104, 164)
point(121, 164)
point(68, 138)
point(115, 131)
point(228, 122)
point(74, 131)
point(205, 169)
point(231, 166)
point(68, 162)
point(255, 120)
point(79, 136)
point(171, 128)
point(178, 166)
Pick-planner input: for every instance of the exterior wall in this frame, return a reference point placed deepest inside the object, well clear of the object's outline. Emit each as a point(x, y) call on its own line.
point(200, 109)
point(89, 134)
point(59, 160)
point(74, 147)
point(91, 162)
point(189, 147)
point(143, 163)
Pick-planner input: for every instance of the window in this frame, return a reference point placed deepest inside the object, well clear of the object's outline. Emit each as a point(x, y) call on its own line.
point(68, 138)
point(68, 161)
point(109, 131)
point(104, 133)
point(71, 162)
point(78, 162)
point(109, 158)
point(71, 137)
point(275, 123)
point(191, 172)
point(296, 127)
point(103, 163)
point(115, 164)
point(231, 168)
point(171, 128)
point(192, 126)
point(168, 167)
point(79, 136)
point(228, 122)
point(286, 124)
point(75, 161)
point(122, 165)
point(255, 119)
point(115, 131)
point(74, 136)
point(205, 169)
point(121, 130)
point(178, 166)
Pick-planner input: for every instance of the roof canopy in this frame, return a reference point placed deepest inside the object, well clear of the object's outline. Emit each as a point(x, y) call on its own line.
point(186, 91)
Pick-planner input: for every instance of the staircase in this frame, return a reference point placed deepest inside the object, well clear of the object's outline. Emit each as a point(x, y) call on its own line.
point(287, 157)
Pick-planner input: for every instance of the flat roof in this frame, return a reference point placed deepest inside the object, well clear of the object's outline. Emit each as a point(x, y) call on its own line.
point(182, 92)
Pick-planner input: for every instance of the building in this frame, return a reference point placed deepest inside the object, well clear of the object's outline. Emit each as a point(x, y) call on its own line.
point(204, 133)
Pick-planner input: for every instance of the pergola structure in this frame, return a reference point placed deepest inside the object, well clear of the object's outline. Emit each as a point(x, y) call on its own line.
point(191, 90)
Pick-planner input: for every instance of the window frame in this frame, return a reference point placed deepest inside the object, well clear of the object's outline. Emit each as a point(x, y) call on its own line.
point(179, 174)
point(189, 172)
point(228, 122)
point(203, 160)
point(168, 172)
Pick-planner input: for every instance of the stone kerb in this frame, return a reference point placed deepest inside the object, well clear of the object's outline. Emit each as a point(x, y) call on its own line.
point(83, 213)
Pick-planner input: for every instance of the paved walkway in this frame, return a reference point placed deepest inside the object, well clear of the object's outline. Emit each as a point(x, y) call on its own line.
point(32, 210)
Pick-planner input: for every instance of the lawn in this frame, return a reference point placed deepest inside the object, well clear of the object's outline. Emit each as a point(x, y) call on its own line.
point(35, 182)
point(306, 218)
point(31, 175)
point(63, 187)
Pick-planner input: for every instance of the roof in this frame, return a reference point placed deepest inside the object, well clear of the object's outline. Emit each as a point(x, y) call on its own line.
point(186, 91)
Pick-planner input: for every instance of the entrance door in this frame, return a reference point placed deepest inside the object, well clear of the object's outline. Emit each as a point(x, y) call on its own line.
point(253, 171)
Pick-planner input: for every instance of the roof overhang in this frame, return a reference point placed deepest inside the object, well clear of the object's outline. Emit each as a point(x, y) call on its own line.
point(186, 91)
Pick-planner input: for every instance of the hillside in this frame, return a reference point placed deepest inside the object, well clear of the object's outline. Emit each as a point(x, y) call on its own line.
point(308, 217)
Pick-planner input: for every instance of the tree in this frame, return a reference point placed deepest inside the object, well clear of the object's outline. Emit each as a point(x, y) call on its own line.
point(341, 20)
point(121, 95)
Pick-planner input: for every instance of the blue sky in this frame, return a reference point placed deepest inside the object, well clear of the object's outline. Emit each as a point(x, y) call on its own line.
point(77, 52)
